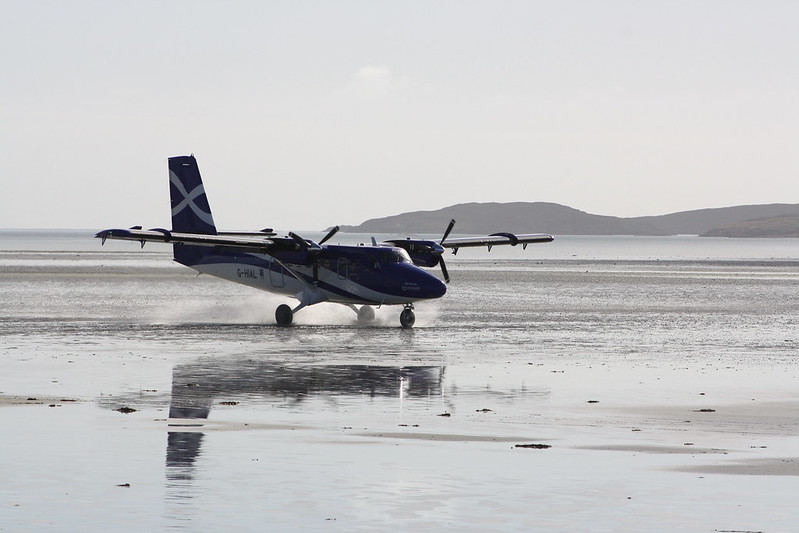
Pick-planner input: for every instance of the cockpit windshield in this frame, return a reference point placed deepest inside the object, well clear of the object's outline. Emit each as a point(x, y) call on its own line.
point(404, 256)
point(394, 255)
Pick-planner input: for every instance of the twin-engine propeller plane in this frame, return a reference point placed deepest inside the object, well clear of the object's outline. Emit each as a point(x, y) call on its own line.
point(386, 273)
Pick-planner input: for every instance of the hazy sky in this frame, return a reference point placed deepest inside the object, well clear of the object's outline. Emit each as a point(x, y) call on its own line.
point(308, 114)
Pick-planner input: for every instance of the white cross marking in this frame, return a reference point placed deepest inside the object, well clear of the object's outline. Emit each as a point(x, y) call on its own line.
point(188, 200)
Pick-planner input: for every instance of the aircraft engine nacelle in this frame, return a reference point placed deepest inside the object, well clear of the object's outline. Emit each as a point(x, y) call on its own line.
point(423, 253)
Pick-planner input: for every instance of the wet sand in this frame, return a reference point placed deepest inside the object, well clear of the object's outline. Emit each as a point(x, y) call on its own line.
point(659, 397)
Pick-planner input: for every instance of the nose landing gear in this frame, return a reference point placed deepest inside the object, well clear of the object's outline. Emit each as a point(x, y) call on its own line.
point(407, 317)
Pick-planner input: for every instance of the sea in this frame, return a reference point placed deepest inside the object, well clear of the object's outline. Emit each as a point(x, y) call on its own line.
point(595, 383)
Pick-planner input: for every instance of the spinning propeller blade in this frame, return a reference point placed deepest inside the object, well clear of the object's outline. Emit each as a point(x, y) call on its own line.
point(332, 232)
point(446, 233)
point(443, 268)
point(441, 257)
point(302, 242)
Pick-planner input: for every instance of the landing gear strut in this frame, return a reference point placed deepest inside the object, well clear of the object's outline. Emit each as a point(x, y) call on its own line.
point(407, 318)
point(283, 315)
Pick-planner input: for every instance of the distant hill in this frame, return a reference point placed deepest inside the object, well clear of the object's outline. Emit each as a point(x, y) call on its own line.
point(534, 217)
point(702, 221)
point(784, 226)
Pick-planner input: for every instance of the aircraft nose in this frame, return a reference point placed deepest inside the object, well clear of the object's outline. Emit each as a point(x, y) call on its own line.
point(417, 283)
point(432, 287)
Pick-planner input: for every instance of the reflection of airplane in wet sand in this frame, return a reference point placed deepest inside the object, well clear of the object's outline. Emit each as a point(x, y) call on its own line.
point(387, 273)
point(198, 386)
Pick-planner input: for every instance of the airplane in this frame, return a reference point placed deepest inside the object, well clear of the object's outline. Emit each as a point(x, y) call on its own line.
point(386, 273)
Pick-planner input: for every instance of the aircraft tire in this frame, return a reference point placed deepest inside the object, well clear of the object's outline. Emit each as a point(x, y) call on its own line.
point(283, 315)
point(407, 318)
point(366, 313)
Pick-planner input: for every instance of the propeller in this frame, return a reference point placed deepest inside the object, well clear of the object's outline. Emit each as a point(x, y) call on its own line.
point(446, 233)
point(313, 249)
point(441, 257)
point(330, 233)
point(299, 240)
point(443, 269)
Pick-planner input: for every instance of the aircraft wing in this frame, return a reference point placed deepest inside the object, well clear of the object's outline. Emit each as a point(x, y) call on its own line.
point(240, 242)
point(496, 239)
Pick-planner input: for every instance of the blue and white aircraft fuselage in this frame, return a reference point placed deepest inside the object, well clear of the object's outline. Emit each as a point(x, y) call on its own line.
point(341, 274)
point(387, 273)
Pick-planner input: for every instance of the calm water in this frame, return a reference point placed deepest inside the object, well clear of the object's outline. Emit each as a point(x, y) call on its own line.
point(333, 426)
point(564, 247)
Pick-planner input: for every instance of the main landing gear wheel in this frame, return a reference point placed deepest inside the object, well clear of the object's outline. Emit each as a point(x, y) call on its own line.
point(407, 318)
point(366, 313)
point(283, 315)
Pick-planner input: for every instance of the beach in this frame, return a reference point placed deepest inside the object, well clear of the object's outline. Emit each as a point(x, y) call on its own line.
point(587, 385)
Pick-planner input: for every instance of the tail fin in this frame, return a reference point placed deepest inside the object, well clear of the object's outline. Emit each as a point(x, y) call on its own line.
point(190, 210)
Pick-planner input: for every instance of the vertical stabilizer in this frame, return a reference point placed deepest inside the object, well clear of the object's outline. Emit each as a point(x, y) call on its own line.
point(190, 210)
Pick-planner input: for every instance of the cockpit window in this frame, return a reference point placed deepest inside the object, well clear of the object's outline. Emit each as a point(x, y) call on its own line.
point(394, 255)
point(404, 256)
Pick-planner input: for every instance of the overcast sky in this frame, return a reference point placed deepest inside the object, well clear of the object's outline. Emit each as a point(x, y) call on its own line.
point(308, 114)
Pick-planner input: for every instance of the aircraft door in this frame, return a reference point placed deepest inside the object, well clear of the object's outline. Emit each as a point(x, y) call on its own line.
point(276, 274)
point(342, 268)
